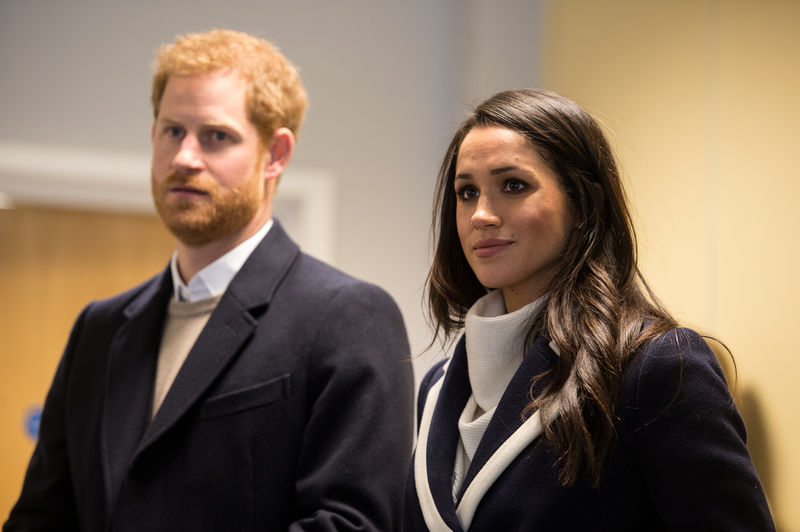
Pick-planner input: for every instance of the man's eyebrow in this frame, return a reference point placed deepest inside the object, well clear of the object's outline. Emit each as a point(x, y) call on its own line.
point(217, 124)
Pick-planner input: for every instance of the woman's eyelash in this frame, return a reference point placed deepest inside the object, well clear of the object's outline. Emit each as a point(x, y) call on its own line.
point(465, 192)
point(511, 186)
point(514, 185)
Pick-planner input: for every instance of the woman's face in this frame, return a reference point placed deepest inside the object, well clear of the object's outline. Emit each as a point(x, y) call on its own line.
point(514, 219)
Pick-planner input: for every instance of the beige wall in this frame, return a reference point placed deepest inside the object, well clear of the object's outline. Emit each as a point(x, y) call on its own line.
point(52, 263)
point(702, 101)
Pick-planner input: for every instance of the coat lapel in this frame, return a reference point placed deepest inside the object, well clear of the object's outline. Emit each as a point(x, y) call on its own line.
point(507, 434)
point(507, 418)
point(228, 329)
point(442, 440)
point(130, 374)
point(134, 354)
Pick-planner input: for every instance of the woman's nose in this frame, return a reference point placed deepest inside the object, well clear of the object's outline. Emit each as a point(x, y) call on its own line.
point(485, 214)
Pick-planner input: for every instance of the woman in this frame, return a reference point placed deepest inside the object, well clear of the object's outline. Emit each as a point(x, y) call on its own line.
point(573, 401)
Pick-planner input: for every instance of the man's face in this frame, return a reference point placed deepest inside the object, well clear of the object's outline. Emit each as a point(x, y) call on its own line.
point(208, 162)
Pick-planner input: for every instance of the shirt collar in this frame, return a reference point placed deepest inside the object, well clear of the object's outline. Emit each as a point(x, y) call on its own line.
point(214, 279)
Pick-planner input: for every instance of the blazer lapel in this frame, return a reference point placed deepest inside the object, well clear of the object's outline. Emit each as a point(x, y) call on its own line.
point(442, 441)
point(507, 417)
point(129, 379)
point(508, 433)
point(228, 329)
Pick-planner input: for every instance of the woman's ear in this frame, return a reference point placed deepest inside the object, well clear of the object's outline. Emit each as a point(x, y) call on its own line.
point(279, 152)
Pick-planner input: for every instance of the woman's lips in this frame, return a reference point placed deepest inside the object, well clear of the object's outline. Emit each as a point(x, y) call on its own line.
point(490, 247)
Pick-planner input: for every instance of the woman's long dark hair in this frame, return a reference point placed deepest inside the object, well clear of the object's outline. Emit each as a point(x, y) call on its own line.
point(599, 310)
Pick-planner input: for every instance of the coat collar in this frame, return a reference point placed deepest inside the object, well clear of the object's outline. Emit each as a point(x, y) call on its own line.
point(134, 353)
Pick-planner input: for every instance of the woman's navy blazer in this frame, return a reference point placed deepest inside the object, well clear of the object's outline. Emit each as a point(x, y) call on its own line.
point(680, 461)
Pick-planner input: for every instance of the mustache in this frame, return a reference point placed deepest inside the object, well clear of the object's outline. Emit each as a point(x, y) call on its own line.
point(177, 179)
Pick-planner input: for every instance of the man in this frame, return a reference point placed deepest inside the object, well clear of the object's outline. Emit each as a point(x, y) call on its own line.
point(248, 386)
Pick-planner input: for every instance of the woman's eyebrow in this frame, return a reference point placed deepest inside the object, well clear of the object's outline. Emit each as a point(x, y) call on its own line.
point(502, 169)
point(493, 171)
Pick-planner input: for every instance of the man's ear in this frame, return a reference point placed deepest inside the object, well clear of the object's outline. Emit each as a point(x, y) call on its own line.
point(279, 152)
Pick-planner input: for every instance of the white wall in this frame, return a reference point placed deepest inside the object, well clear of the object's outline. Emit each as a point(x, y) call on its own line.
point(388, 82)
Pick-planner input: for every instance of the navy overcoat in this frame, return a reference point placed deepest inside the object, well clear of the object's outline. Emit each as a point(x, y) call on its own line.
point(293, 410)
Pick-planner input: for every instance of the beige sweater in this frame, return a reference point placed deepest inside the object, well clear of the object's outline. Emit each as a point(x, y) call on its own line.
point(185, 321)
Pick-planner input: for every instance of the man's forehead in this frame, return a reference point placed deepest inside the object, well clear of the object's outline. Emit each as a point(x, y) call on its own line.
point(211, 94)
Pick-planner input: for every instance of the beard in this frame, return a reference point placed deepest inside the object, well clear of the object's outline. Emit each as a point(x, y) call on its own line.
point(218, 213)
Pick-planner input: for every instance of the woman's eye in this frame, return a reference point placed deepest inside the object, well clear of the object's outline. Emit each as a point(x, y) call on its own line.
point(514, 186)
point(467, 193)
point(174, 131)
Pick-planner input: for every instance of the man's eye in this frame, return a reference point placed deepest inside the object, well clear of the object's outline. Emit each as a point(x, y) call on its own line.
point(174, 131)
point(219, 136)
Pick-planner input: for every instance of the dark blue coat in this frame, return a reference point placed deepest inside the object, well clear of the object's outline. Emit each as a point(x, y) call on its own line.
point(680, 462)
point(293, 410)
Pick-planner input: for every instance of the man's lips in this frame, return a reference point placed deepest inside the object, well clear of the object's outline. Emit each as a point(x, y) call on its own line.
point(490, 247)
point(186, 191)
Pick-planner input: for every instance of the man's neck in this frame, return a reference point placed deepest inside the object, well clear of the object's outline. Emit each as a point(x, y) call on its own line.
point(192, 259)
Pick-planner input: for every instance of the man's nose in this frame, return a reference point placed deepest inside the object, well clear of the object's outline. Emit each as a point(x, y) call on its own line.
point(189, 155)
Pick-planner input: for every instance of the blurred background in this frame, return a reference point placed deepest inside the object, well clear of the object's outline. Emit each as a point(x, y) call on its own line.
point(699, 97)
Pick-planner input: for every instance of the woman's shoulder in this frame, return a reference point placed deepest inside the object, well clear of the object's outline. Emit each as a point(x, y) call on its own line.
point(676, 368)
point(679, 420)
point(672, 350)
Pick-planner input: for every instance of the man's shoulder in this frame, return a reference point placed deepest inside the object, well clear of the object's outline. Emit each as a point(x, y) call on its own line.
point(332, 293)
point(321, 277)
point(278, 263)
point(121, 300)
point(296, 280)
